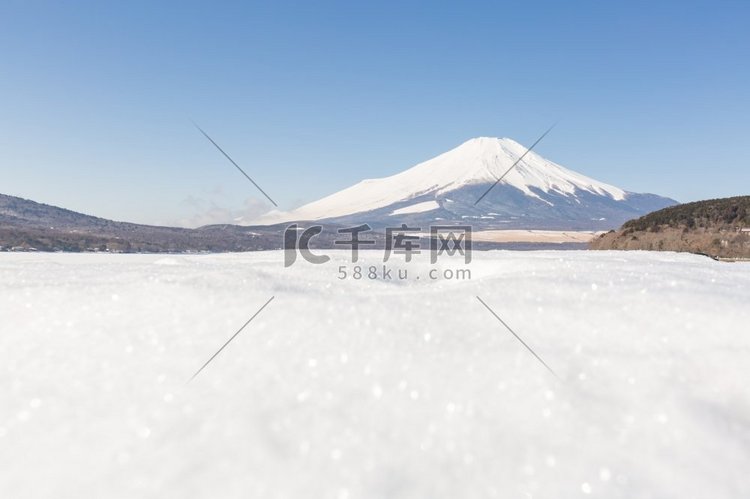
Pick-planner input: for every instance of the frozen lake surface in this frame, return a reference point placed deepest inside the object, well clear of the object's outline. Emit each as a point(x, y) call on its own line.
point(374, 388)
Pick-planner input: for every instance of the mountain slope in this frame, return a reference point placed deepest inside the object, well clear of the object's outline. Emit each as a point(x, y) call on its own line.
point(716, 227)
point(536, 193)
point(26, 224)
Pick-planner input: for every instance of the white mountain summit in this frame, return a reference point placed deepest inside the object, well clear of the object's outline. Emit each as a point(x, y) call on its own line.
point(536, 193)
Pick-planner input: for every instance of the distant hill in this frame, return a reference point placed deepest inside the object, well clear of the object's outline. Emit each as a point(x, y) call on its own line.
point(28, 225)
point(716, 227)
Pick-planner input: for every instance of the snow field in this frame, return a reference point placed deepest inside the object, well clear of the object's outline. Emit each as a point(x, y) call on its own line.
point(371, 388)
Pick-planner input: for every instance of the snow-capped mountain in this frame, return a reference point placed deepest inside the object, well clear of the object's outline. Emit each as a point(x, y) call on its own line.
point(536, 193)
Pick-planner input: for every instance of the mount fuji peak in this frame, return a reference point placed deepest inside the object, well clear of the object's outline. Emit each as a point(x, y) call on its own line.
point(535, 194)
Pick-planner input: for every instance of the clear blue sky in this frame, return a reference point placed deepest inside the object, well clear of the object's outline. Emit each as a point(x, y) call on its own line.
point(310, 97)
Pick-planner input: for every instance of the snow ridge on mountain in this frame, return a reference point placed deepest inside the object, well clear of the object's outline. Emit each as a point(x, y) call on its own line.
point(440, 188)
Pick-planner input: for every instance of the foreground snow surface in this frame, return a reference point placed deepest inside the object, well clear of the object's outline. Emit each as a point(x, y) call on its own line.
point(374, 389)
